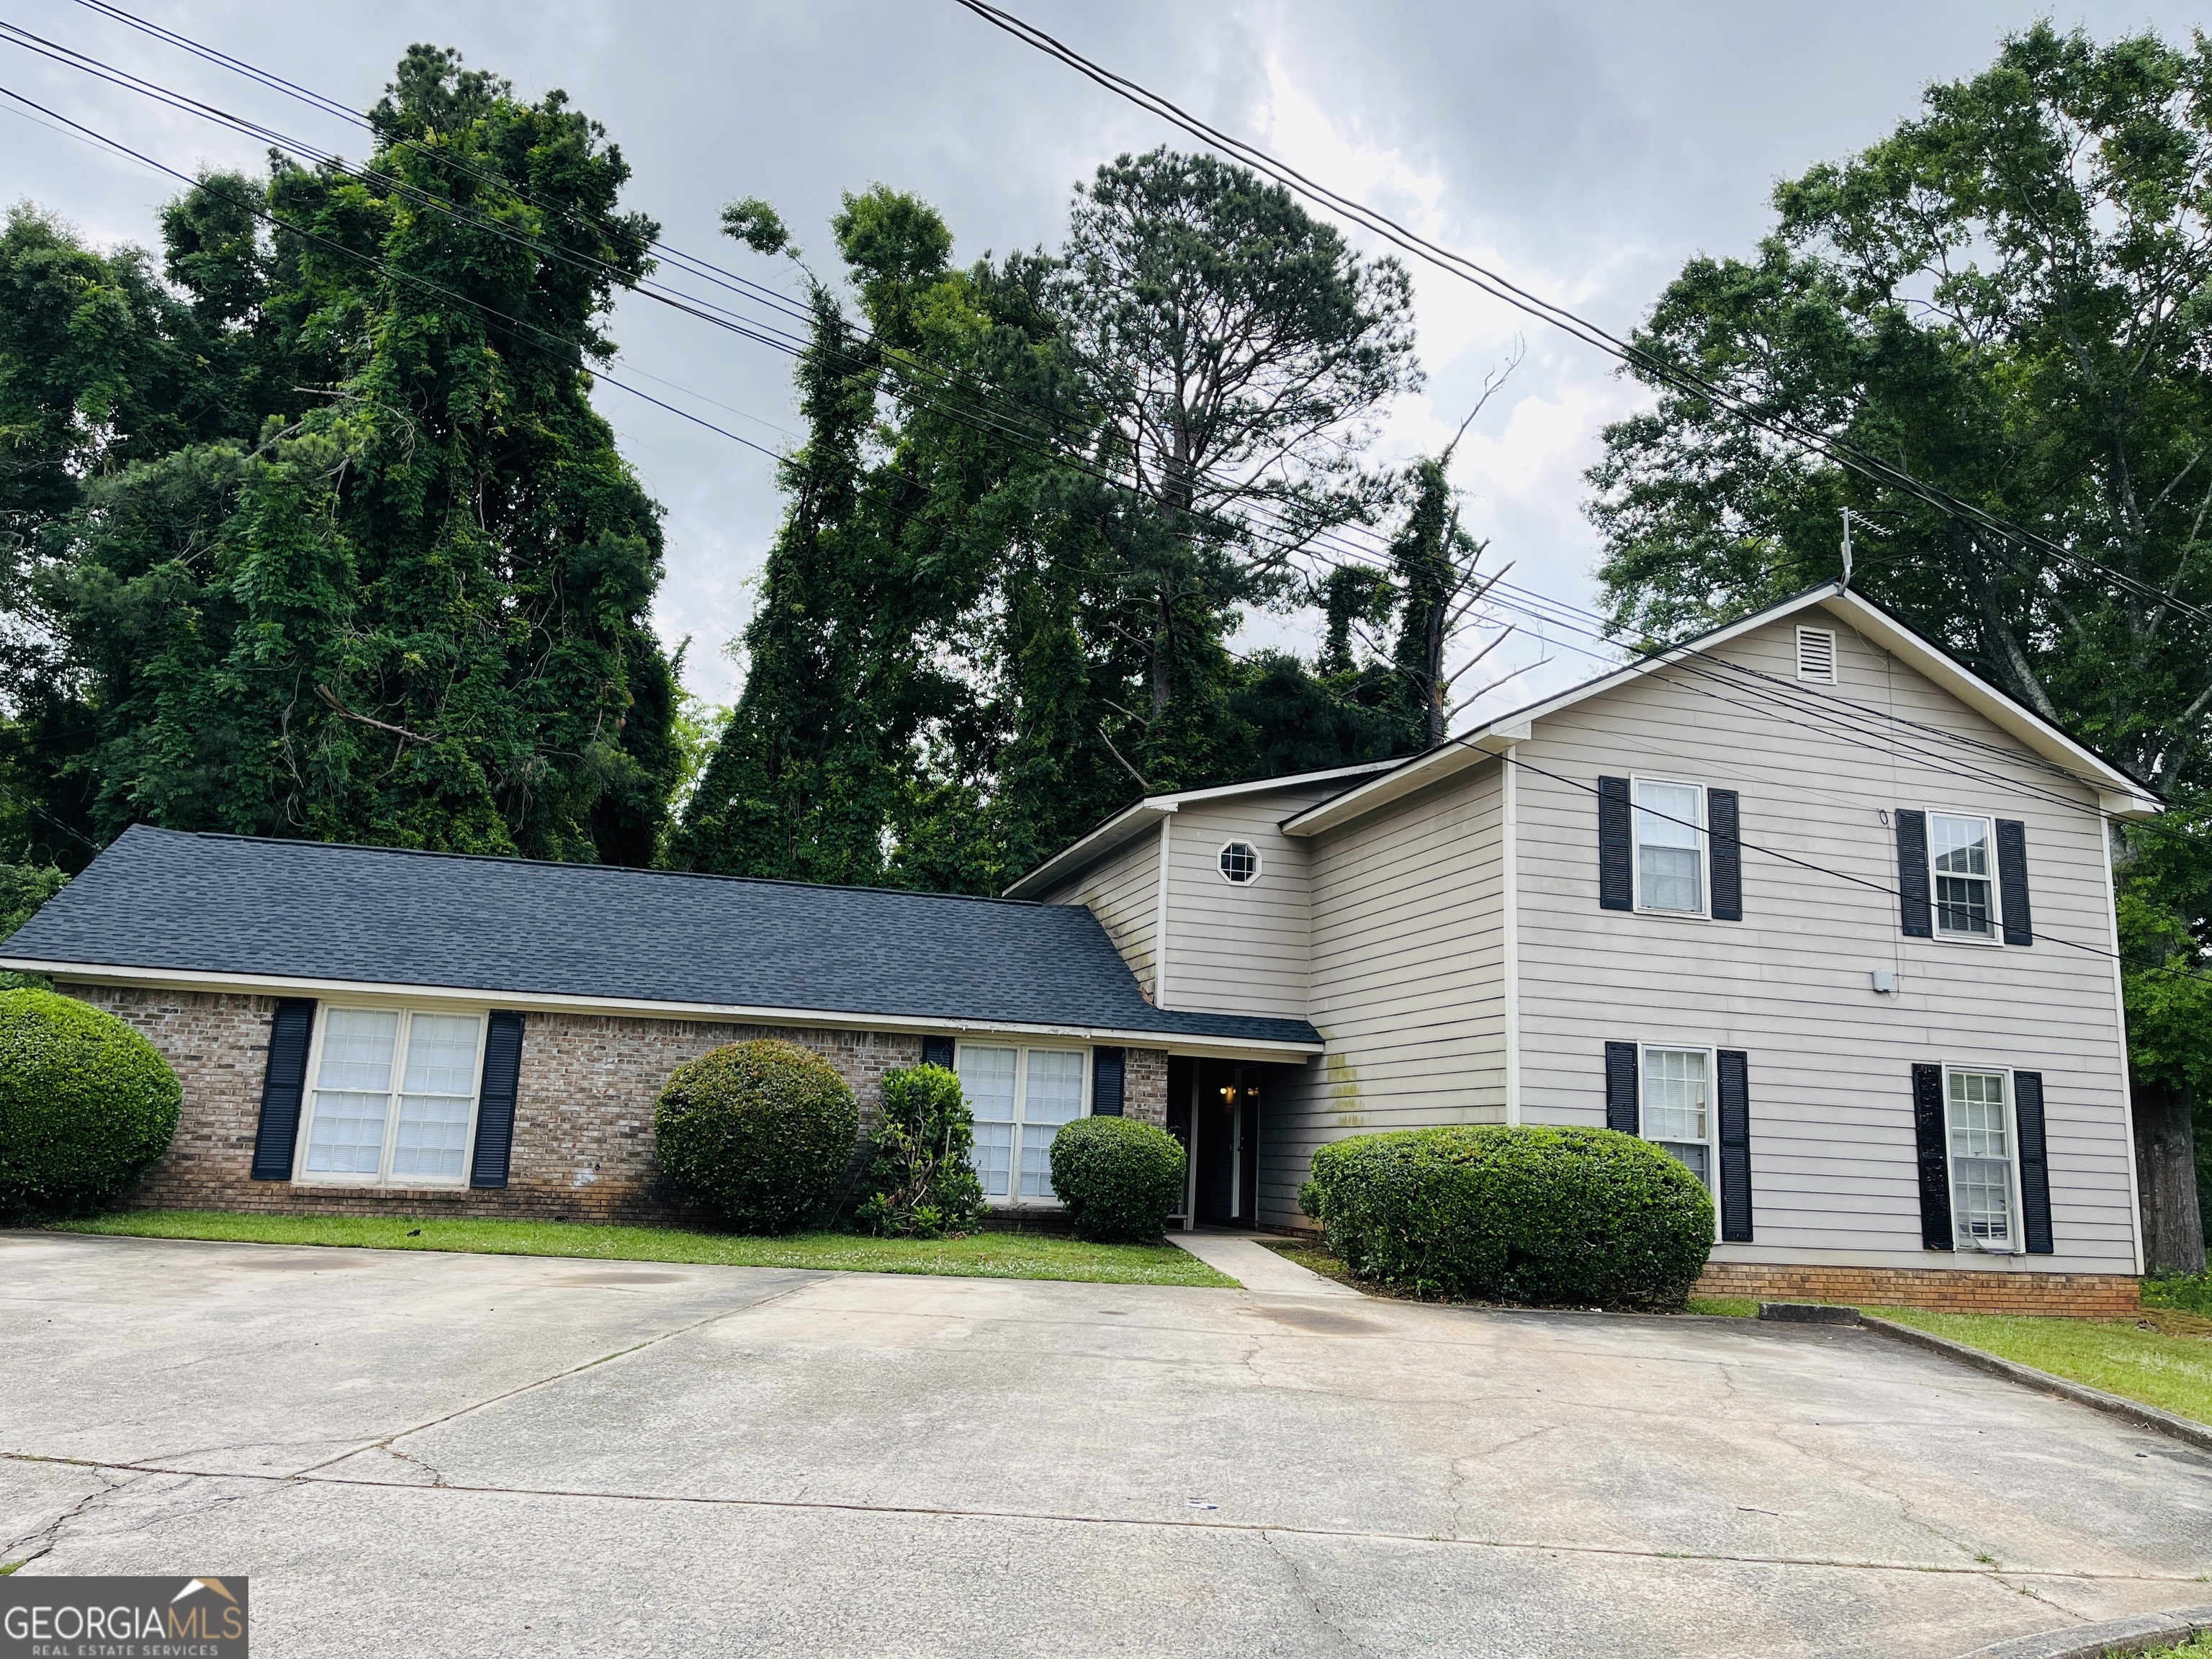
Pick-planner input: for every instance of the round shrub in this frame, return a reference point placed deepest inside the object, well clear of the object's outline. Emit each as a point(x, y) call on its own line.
point(1583, 1218)
point(758, 1133)
point(1119, 1178)
point(85, 1103)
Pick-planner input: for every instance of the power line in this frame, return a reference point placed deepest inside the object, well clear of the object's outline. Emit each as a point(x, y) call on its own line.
point(438, 205)
point(1787, 428)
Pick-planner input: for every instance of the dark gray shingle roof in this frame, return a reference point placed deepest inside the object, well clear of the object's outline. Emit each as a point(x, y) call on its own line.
point(307, 910)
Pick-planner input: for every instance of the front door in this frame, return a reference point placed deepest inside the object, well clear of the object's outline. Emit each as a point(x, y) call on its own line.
point(1225, 1123)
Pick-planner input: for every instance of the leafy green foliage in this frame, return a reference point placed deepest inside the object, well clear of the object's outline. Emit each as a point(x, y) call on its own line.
point(2007, 294)
point(968, 648)
point(1581, 1217)
point(324, 537)
point(1119, 1178)
point(921, 1181)
point(24, 889)
point(756, 1133)
point(85, 1103)
point(2187, 1292)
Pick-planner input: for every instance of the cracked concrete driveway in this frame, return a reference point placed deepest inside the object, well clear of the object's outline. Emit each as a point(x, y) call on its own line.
point(426, 1454)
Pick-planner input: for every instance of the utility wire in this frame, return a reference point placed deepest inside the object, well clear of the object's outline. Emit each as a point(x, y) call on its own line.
point(681, 303)
point(1785, 427)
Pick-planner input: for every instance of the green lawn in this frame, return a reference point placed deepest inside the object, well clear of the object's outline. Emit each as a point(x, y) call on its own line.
point(2198, 1647)
point(2169, 1369)
point(980, 1256)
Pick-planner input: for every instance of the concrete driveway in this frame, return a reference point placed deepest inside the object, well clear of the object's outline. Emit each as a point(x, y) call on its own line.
point(420, 1453)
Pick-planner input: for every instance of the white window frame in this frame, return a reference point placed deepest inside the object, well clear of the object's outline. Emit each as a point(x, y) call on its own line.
point(1259, 862)
point(1704, 910)
point(1935, 931)
point(2012, 1245)
point(1012, 1198)
point(382, 1178)
point(1834, 667)
point(1712, 1140)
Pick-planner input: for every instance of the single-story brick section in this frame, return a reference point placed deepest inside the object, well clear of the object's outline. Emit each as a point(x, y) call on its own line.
point(369, 1030)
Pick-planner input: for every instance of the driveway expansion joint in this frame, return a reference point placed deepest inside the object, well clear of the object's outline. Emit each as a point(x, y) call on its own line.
point(1058, 1517)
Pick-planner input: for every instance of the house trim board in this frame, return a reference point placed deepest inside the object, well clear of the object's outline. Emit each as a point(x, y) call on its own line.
point(1199, 1045)
point(1160, 931)
point(1510, 928)
point(2127, 1083)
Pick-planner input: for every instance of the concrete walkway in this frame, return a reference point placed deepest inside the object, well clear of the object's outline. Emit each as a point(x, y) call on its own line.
point(458, 1455)
point(1259, 1269)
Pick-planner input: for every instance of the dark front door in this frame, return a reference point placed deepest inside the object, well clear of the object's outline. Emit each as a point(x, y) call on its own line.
point(1225, 1122)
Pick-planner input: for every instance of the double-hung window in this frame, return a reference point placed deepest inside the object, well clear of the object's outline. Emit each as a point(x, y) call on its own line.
point(1020, 1097)
point(1670, 861)
point(392, 1096)
point(1979, 1118)
point(1962, 866)
point(1676, 1093)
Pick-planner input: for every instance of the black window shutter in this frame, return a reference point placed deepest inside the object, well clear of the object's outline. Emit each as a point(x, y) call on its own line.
point(502, 1070)
point(1621, 1109)
point(1107, 1065)
point(2012, 881)
point(937, 1051)
point(1616, 851)
point(1913, 874)
point(1735, 1145)
point(1929, 1134)
point(284, 1085)
point(1724, 841)
point(2035, 1162)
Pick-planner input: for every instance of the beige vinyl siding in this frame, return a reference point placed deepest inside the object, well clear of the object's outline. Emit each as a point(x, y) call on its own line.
point(1123, 891)
point(1239, 949)
point(1833, 1148)
point(1407, 981)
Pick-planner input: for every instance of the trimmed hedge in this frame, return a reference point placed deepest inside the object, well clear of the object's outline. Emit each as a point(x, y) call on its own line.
point(1580, 1218)
point(921, 1181)
point(758, 1133)
point(85, 1103)
point(1120, 1179)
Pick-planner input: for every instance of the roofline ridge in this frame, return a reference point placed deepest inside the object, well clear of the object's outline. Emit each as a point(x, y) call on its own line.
point(578, 864)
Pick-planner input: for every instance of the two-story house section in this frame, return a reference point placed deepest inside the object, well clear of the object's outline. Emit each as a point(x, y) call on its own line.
point(1805, 901)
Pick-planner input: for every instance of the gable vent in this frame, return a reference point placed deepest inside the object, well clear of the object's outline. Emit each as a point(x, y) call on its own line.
point(1816, 655)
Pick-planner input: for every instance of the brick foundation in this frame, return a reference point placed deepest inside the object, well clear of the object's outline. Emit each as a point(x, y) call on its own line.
point(1944, 1290)
point(583, 1116)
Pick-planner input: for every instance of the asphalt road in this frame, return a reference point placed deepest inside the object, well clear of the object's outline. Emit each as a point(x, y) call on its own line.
point(420, 1453)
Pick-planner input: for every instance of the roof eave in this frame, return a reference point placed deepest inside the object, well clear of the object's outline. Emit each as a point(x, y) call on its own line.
point(1207, 1044)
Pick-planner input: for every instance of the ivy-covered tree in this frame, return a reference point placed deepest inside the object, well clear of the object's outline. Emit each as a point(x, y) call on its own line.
point(322, 535)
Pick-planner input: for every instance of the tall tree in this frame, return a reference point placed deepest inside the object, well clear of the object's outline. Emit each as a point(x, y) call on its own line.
point(1239, 350)
point(333, 543)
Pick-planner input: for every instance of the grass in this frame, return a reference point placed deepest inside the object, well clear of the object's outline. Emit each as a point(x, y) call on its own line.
point(2197, 1647)
point(2191, 1293)
point(2156, 1360)
point(1728, 1307)
point(1008, 1254)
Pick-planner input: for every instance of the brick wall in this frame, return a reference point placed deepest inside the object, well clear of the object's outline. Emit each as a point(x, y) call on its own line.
point(1946, 1290)
point(583, 1114)
point(583, 1128)
point(1144, 1086)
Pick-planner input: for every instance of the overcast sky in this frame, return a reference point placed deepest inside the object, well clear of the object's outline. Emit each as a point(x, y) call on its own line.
point(1586, 150)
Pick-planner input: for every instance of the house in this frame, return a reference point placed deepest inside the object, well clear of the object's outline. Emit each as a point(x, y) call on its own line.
point(363, 1029)
point(1804, 901)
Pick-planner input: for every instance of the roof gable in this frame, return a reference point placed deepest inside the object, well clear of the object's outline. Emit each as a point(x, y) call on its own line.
point(2118, 794)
